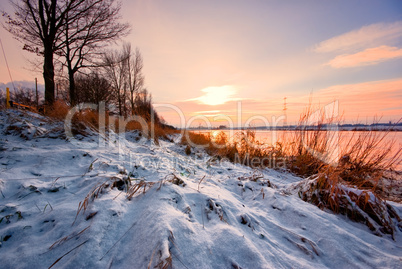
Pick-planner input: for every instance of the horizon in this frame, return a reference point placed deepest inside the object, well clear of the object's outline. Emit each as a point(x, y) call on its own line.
point(206, 57)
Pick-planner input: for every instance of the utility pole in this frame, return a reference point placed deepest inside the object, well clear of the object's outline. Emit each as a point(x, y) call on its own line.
point(37, 97)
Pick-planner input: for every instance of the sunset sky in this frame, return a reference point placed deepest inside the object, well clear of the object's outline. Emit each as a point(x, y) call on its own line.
point(209, 57)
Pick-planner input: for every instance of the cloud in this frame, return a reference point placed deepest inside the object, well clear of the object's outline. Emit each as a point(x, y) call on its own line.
point(217, 95)
point(367, 57)
point(367, 36)
point(235, 109)
point(366, 99)
point(208, 112)
point(368, 89)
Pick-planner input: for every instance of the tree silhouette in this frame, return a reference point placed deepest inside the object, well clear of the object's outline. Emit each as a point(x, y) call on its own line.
point(95, 24)
point(38, 25)
point(72, 29)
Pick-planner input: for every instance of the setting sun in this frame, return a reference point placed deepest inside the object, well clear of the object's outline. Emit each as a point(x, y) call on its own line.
point(217, 95)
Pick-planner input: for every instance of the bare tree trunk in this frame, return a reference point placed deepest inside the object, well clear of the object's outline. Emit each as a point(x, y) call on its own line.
point(70, 67)
point(120, 104)
point(132, 102)
point(72, 87)
point(48, 74)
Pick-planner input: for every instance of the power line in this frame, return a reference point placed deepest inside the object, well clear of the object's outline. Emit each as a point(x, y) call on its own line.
point(8, 68)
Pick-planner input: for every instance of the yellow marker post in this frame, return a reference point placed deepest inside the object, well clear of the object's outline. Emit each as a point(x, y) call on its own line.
point(8, 98)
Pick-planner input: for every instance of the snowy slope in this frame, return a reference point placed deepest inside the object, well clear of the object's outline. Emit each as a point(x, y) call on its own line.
point(215, 216)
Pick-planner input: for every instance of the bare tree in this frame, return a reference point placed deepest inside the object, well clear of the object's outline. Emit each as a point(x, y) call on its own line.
point(93, 88)
point(74, 29)
point(95, 24)
point(25, 96)
point(38, 24)
point(135, 77)
point(62, 85)
point(143, 105)
point(115, 66)
point(124, 69)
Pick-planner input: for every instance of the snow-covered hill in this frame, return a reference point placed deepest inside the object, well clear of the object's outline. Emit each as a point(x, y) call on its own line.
point(185, 211)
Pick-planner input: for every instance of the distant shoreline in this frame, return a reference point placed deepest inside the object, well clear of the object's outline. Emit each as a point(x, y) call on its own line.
point(367, 128)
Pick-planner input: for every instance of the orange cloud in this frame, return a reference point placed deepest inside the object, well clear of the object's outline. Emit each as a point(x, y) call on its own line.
point(367, 57)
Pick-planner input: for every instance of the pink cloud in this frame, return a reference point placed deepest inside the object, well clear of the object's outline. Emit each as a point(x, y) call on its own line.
point(367, 57)
point(367, 36)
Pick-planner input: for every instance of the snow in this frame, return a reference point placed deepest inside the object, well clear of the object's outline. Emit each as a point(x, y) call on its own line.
point(225, 221)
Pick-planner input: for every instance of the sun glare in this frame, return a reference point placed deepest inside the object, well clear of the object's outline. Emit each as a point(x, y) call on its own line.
point(217, 95)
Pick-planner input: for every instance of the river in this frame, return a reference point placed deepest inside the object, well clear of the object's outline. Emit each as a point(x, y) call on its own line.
point(340, 140)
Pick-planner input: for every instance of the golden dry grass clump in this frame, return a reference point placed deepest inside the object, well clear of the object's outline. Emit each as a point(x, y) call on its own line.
point(345, 183)
point(243, 148)
point(84, 119)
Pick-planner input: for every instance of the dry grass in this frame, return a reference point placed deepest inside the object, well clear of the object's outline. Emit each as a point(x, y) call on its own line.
point(91, 196)
point(345, 182)
point(329, 191)
point(193, 139)
point(306, 147)
point(172, 178)
point(90, 119)
point(165, 260)
point(243, 148)
point(165, 264)
point(133, 125)
point(81, 121)
point(158, 131)
point(61, 257)
point(58, 111)
point(137, 187)
point(212, 206)
point(255, 176)
point(68, 237)
point(367, 157)
point(132, 189)
point(361, 156)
